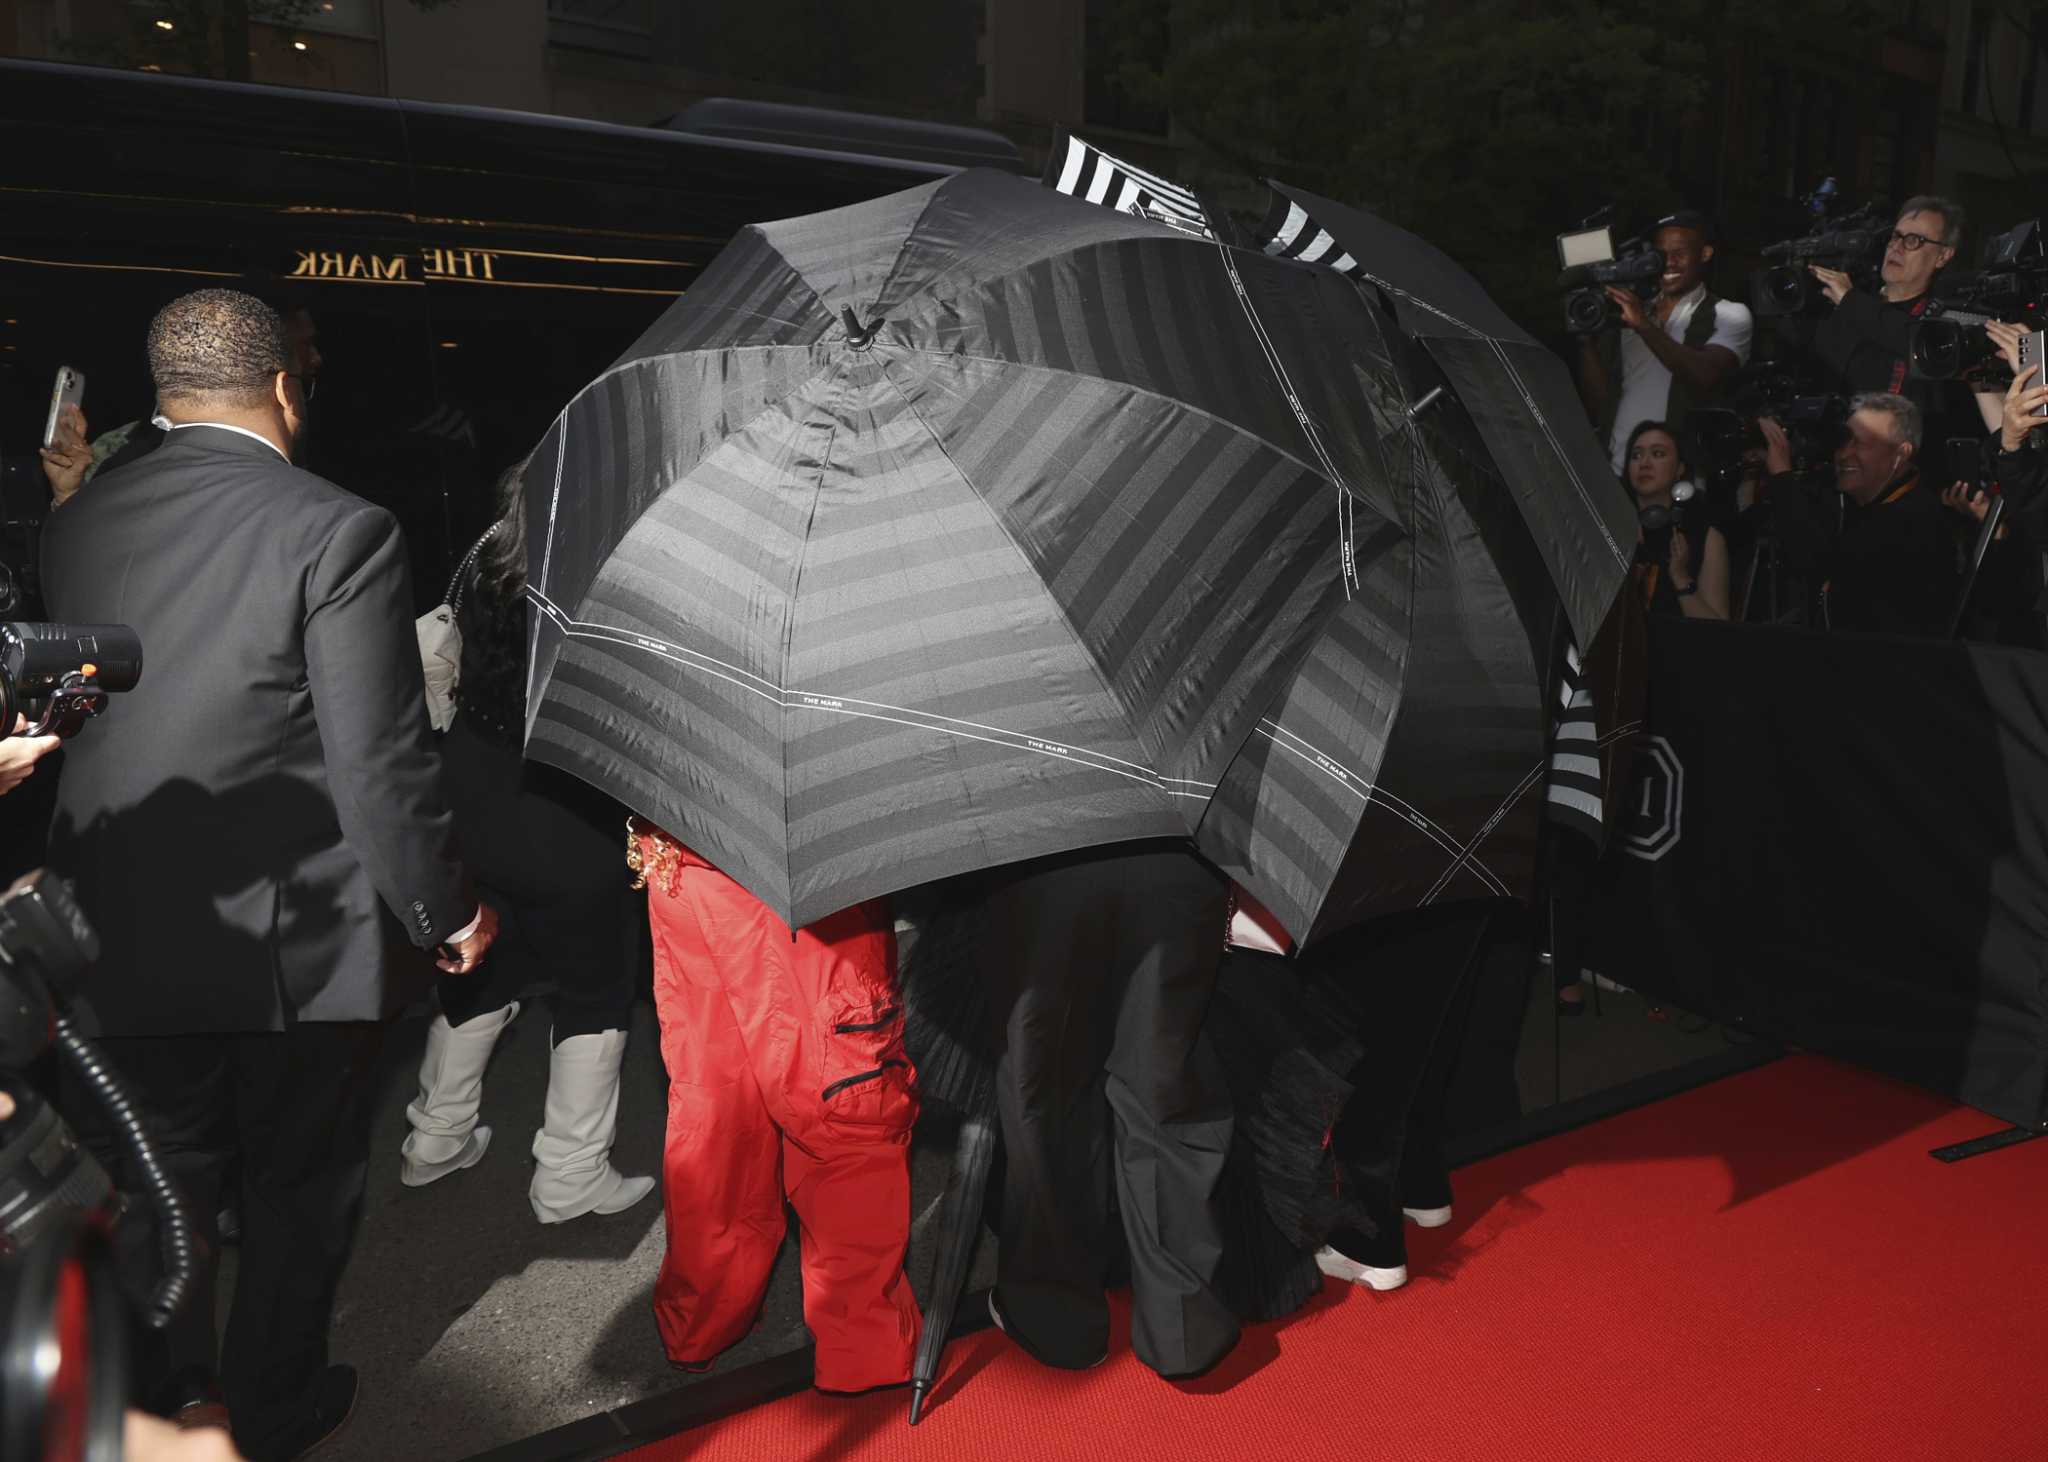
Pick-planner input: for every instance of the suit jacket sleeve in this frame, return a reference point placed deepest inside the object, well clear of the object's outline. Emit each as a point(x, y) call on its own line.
point(362, 660)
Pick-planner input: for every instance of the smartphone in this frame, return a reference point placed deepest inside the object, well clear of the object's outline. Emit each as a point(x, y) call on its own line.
point(69, 391)
point(1965, 459)
point(2034, 351)
point(1587, 246)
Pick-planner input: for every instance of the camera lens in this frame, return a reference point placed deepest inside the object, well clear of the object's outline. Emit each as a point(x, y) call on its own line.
point(1937, 349)
point(1785, 287)
point(1586, 311)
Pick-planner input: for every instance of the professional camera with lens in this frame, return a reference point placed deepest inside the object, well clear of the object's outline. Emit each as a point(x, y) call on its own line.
point(1718, 438)
point(63, 1318)
point(1588, 308)
point(1854, 243)
point(57, 675)
point(1949, 340)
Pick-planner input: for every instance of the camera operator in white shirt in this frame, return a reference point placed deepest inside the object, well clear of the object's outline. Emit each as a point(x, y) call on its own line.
point(1675, 353)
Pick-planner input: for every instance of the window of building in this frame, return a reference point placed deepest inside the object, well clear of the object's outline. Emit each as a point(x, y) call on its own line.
point(618, 27)
point(1973, 56)
point(340, 17)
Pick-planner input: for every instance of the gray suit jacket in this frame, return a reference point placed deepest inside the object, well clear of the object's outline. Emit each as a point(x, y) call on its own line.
point(256, 830)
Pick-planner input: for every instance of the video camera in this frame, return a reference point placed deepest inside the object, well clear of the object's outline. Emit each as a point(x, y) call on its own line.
point(1854, 243)
point(1590, 264)
point(1718, 438)
point(2012, 285)
point(57, 675)
point(63, 1356)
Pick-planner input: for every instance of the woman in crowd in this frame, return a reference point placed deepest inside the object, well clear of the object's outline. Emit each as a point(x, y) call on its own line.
point(544, 848)
point(1681, 563)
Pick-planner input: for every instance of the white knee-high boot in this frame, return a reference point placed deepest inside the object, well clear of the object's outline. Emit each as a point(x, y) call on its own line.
point(445, 1135)
point(573, 1148)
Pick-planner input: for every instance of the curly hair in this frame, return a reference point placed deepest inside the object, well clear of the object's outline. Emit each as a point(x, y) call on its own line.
point(216, 345)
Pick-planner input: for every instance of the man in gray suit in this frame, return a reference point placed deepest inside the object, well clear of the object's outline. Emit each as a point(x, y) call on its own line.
point(259, 838)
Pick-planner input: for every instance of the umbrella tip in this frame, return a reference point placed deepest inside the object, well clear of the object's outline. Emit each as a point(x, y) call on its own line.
point(859, 336)
point(917, 1391)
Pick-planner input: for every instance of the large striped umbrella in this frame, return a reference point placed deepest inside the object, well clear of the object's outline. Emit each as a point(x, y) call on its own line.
point(957, 528)
point(1404, 762)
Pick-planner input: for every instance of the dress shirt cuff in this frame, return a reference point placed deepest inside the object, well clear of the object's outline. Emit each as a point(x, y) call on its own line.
point(467, 929)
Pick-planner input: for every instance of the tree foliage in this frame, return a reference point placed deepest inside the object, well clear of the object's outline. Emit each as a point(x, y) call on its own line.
point(1487, 126)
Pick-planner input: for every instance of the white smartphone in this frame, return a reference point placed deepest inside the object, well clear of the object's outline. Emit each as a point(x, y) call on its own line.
point(1587, 246)
point(2034, 351)
point(69, 391)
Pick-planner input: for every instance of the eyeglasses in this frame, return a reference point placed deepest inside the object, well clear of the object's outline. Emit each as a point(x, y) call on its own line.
point(308, 384)
point(1911, 243)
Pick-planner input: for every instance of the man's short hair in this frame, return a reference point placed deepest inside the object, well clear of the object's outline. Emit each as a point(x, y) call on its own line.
point(1951, 215)
point(1904, 414)
point(216, 344)
point(1689, 218)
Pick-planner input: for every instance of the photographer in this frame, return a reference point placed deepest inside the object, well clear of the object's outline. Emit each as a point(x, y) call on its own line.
point(1681, 563)
point(1888, 566)
point(1865, 341)
point(1670, 356)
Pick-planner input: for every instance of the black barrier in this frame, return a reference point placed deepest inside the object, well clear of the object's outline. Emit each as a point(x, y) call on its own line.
point(1842, 842)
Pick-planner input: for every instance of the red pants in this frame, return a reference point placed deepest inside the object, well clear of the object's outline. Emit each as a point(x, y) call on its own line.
point(787, 1077)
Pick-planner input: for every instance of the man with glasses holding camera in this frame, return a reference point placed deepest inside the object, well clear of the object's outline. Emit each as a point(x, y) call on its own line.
point(1865, 342)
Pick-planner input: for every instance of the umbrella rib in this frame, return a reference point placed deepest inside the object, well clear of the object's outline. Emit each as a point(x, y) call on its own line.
point(1467, 855)
point(853, 706)
point(1562, 456)
point(824, 465)
point(1108, 690)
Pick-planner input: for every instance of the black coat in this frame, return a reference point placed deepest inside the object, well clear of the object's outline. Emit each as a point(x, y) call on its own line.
point(244, 826)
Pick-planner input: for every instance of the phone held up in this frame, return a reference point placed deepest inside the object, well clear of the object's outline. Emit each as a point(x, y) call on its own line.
point(2034, 351)
point(69, 391)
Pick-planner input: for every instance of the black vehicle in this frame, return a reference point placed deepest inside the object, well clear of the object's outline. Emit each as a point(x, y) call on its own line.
point(465, 270)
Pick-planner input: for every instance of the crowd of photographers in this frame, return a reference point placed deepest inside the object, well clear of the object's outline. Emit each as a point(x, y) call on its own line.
point(1854, 449)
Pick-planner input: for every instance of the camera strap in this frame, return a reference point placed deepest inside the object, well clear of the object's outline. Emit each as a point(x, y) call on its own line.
point(1900, 366)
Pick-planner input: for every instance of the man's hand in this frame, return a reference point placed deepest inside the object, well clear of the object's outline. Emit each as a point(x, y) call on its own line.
point(470, 952)
point(1680, 560)
point(1970, 501)
point(2007, 339)
point(1633, 315)
point(67, 457)
point(2018, 417)
point(146, 1438)
point(1777, 446)
point(19, 755)
point(1833, 282)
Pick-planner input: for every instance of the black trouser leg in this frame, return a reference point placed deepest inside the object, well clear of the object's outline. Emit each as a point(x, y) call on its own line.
point(1172, 1113)
point(1406, 975)
point(304, 1101)
point(1049, 935)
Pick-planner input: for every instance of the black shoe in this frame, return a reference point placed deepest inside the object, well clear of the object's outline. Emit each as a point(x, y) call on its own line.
point(313, 1420)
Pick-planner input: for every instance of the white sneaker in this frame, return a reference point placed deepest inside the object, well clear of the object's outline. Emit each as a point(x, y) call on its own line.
point(1339, 1266)
point(1428, 1217)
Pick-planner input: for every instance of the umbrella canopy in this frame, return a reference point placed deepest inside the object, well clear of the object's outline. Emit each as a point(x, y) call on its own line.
point(1403, 762)
point(961, 527)
point(1518, 393)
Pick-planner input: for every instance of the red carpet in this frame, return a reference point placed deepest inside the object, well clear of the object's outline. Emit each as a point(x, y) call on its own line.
point(1768, 1267)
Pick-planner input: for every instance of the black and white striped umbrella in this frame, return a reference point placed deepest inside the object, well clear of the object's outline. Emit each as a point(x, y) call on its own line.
point(944, 531)
point(1519, 394)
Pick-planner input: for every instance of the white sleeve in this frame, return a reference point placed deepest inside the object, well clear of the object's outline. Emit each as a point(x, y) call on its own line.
point(1732, 328)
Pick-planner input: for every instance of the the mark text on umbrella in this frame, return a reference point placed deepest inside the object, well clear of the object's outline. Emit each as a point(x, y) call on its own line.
point(823, 703)
point(1052, 746)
